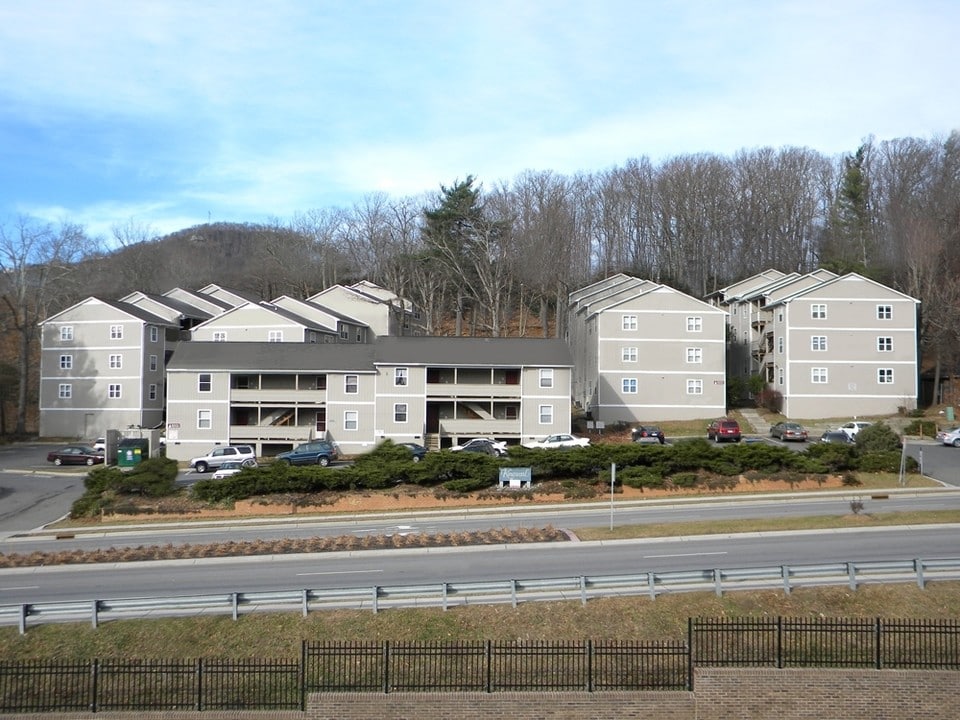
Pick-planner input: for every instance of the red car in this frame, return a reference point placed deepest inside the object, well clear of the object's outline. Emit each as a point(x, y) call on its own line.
point(724, 429)
point(75, 455)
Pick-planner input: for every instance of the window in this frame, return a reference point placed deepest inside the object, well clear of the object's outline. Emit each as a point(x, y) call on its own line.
point(359, 334)
point(818, 342)
point(66, 362)
point(780, 316)
point(400, 412)
point(694, 387)
point(351, 384)
point(884, 344)
point(65, 391)
point(630, 386)
point(152, 391)
point(885, 376)
point(116, 332)
point(204, 419)
point(629, 322)
point(546, 377)
point(66, 332)
point(344, 332)
point(351, 420)
point(818, 311)
point(510, 412)
point(154, 333)
point(695, 324)
point(818, 376)
point(884, 312)
point(204, 382)
point(780, 376)
point(116, 362)
point(780, 344)
point(400, 377)
point(113, 390)
point(694, 355)
point(275, 336)
point(153, 362)
point(629, 354)
point(219, 336)
point(546, 414)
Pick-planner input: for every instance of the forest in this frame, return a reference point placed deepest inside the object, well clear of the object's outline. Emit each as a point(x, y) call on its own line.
point(500, 258)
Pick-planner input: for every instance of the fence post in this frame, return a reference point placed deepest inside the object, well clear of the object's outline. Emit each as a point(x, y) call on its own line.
point(779, 642)
point(234, 605)
point(489, 666)
point(385, 653)
point(198, 672)
point(305, 601)
point(24, 611)
point(374, 595)
point(690, 654)
point(718, 582)
point(444, 591)
point(852, 574)
point(303, 676)
point(590, 666)
point(583, 590)
point(513, 593)
point(94, 606)
point(785, 573)
point(918, 567)
point(652, 585)
point(94, 674)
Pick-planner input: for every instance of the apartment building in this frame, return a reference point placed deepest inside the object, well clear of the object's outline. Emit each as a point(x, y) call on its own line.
point(644, 351)
point(430, 390)
point(833, 346)
point(383, 312)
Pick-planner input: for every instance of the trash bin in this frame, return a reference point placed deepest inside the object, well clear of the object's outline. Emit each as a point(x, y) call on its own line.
point(131, 451)
point(950, 413)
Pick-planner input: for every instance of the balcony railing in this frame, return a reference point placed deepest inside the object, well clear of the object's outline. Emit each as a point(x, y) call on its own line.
point(278, 395)
point(271, 433)
point(473, 390)
point(477, 426)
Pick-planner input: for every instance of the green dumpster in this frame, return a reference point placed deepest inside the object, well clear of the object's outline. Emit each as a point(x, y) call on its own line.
point(131, 451)
point(950, 413)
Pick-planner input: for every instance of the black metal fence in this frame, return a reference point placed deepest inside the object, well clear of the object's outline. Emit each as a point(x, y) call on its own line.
point(482, 666)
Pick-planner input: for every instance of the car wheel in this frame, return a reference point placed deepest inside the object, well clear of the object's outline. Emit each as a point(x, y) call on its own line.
point(956, 443)
point(201, 467)
point(416, 458)
point(89, 461)
point(323, 461)
point(58, 461)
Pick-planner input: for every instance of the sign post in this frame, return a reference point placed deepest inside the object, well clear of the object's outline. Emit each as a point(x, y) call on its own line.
point(613, 479)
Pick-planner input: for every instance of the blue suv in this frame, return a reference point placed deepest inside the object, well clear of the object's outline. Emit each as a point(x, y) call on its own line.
point(316, 452)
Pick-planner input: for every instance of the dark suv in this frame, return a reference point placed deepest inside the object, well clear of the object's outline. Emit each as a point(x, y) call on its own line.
point(316, 452)
point(724, 429)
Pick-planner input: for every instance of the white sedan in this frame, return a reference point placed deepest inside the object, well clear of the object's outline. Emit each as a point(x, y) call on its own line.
point(499, 446)
point(949, 437)
point(558, 441)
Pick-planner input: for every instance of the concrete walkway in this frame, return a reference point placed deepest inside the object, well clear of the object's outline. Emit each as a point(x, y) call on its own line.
point(758, 425)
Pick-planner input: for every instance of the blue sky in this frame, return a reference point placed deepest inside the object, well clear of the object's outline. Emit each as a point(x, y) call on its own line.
point(169, 114)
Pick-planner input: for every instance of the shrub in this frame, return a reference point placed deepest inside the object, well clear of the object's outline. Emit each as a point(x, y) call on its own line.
point(684, 479)
point(878, 437)
point(640, 478)
point(923, 428)
point(105, 485)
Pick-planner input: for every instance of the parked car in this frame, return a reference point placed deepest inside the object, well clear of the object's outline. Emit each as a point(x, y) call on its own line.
point(647, 434)
point(789, 431)
point(838, 437)
point(853, 427)
point(100, 444)
point(417, 452)
point(558, 441)
point(499, 447)
point(482, 448)
point(232, 467)
point(75, 455)
point(724, 429)
point(219, 455)
point(949, 437)
point(315, 452)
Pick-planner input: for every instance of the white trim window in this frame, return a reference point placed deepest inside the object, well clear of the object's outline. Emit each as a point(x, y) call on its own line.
point(818, 311)
point(116, 362)
point(116, 332)
point(351, 420)
point(351, 384)
point(401, 376)
point(780, 344)
point(818, 343)
point(694, 386)
point(546, 377)
point(545, 413)
point(628, 323)
point(204, 419)
point(400, 413)
point(65, 391)
point(66, 333)
point(204, 382)
point(695, 355)
point(629, 386)
point(885, 376)
point(884, 312)
point(884, 344)
point(152, 391)
point(153, 363)
point(274, 335)
point(114, 391)
point(219, 335)
point(780, 376)
point(629, 354)
point(154, 333)
point(344, 332)
point(694, 323)
point(818, 375)
point(66, 362)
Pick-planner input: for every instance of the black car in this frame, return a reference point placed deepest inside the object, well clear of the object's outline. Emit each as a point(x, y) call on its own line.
point(417, 451)
point(838, 437)
point(648, 433)
point(482, 448)
point(75, 455)
point(316, 452)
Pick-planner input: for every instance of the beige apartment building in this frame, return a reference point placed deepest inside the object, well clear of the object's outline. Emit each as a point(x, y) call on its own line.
point(644, 351)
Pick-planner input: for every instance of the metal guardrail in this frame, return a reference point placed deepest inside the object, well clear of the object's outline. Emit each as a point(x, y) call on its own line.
point(446, 595)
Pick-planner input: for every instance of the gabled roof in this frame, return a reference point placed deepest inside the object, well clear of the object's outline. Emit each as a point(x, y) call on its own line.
point(650, 290)
point(205, 301)
point(236, 297)
point(124, 308)
point(312, 309)
point(279, 312)
point(308, 357)
point(843, 279)
point(599, 287)
point(176, 306)
point(736, 290)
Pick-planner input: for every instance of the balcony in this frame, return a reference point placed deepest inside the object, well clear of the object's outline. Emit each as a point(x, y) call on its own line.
point(473, 390)
point(478, 426)
point(272, 433)
point(284, 396)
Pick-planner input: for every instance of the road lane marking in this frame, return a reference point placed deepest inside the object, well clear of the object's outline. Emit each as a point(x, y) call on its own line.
point(651, 557)
point(25, 587)
point(339, 572)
